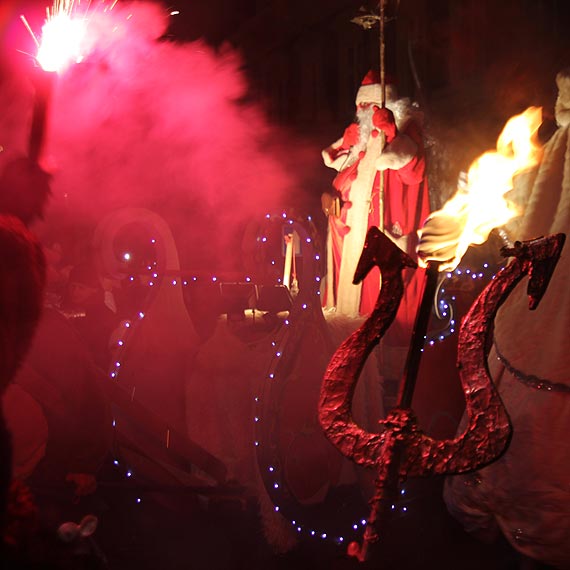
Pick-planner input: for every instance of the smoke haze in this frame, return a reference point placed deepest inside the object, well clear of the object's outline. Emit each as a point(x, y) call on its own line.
point(143, 121)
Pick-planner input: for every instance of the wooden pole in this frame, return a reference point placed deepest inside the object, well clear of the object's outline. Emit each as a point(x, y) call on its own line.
point(383, 91)
point(382, 52)
point(415, 350)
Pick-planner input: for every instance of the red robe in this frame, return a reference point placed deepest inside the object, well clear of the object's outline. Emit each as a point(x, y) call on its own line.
point(406, 205)
point(22, 280)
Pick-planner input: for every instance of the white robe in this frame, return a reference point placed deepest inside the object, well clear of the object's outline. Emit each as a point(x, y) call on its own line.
point(526, 493)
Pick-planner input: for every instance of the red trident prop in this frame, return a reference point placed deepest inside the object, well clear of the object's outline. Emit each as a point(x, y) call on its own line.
point(401, 448)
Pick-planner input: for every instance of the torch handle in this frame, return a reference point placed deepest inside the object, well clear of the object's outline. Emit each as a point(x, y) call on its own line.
point(418, 336)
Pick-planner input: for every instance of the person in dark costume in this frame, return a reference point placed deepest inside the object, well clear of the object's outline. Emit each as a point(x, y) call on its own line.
point(24, 191)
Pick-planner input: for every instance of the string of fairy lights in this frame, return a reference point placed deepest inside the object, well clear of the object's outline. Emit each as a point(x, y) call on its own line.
point(268, 459)
point(306, 305)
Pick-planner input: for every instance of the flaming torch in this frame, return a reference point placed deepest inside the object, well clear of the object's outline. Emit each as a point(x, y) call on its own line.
point(482, 203)
point(60, 46)
point(400, 448)
point(479, 206)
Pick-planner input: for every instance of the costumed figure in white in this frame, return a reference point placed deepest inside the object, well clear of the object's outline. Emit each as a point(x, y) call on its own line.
point(156, 343)
point(526, 493)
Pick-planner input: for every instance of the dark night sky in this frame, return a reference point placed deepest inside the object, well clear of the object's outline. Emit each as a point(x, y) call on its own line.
point(480, 62)
point(477, 60)
point(519, 42)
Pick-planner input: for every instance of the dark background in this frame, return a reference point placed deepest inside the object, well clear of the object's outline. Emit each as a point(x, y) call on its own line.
point(307, 58)
point(471, 64)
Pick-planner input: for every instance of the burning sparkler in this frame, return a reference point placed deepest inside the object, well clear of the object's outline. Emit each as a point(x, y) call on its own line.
point(62, 37)
point(58, 47)
point(62, 43)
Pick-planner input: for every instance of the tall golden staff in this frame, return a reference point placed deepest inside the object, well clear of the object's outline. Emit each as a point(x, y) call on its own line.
point(367, 21)
point(383, 91)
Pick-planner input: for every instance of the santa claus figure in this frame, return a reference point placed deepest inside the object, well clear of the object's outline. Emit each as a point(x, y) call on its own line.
point(525, 495)
point(24, 189)
point(382, 142)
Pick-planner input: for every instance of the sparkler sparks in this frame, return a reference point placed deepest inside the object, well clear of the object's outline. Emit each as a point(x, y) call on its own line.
point(63, 34)
point(62, 44)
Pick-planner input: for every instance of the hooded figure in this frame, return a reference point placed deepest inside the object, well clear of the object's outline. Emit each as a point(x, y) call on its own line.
point(526, 493)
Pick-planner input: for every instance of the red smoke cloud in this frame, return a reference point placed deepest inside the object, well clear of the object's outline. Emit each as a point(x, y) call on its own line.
point(146, 122)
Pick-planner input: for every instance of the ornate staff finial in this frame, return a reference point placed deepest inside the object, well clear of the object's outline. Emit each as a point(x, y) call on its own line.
point(367, 19)
point(364, 19)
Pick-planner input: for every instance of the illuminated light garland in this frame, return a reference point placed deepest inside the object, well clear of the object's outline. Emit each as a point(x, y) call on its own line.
point(271, 470)
point(301, 310)
point(128, 475)
point(130, 328)
point(446, 305)
point(306, 301)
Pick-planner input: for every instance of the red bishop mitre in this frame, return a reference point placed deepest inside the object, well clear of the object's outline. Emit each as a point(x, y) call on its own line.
point(370, 90)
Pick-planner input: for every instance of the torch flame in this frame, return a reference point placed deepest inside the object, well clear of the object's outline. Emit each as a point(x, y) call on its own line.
point(62, 37)
point(481, 205)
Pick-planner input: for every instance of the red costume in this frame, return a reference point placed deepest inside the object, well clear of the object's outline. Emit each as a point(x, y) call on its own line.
point(361, 157)
point(23, 191)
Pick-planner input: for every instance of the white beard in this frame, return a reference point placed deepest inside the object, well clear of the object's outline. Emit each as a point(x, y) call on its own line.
point(403, 110)
point(365, 127)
